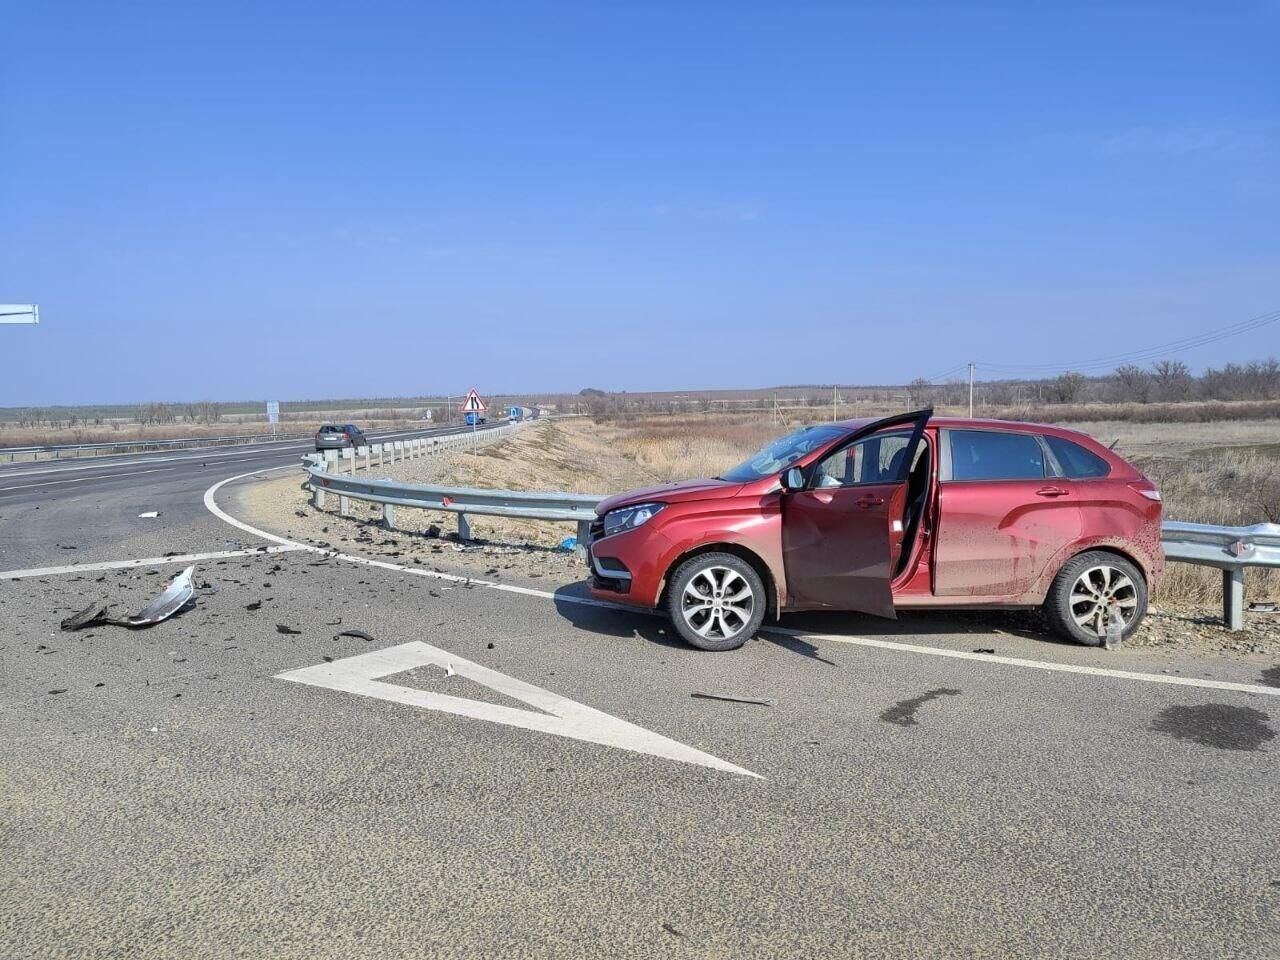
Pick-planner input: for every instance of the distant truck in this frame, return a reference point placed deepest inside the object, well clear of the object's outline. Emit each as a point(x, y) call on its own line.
point(521, 413)
point(474, 419)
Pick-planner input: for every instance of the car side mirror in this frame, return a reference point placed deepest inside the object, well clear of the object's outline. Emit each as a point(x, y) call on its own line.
point(792, 479)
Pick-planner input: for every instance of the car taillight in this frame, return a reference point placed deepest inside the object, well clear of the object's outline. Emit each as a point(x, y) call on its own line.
point(1146, 488)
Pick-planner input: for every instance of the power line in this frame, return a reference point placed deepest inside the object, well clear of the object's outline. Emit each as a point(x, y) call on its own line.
point(1146, 353)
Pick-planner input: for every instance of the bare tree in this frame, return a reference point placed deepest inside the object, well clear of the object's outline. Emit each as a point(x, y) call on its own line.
point(1067, 387)
point(1134, 384)
point(1173, 380)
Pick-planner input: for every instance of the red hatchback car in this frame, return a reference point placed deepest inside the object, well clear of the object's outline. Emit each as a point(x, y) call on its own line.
point(877, 516)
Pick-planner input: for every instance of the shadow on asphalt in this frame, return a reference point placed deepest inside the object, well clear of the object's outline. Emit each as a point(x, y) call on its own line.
point(911, 625)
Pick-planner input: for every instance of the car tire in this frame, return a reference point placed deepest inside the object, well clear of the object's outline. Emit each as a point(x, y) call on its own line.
point(716, 601)
point(1075, 605)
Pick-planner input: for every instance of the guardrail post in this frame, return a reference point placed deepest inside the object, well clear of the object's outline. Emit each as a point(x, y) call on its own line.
point(391, 452)
point(344, 506)
point(379, 446)
point(353, 460)
point(464, 527)
point(317, 491)
point(1233, 598)
point(367, 455)
point(388, 516)
point(584, 534)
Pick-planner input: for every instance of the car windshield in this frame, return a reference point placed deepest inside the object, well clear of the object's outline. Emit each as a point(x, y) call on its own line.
point(783, 452)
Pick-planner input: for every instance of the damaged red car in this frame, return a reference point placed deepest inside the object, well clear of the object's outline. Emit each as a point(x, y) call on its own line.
point(877, 516)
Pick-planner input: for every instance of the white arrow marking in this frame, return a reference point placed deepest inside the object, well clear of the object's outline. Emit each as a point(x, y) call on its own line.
point(560, 716)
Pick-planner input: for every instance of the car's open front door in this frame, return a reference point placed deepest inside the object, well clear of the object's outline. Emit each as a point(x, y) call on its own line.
point(838, 532)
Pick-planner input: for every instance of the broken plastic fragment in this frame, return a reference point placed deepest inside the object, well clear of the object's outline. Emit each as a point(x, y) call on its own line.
point(761, 701)
point(358, 634)
point(149, 515)
point(176, 596)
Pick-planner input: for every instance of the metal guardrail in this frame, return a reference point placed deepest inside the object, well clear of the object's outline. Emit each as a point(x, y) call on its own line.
point(1230, 549)
point(326, 476)
point(135, 446)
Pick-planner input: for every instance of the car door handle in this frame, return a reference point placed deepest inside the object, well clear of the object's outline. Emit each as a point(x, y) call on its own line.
point(1051, 492)
point(868, 501)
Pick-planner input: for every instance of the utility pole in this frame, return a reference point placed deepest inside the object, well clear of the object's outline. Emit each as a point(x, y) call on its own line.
point(833, 403)
point(971, 390)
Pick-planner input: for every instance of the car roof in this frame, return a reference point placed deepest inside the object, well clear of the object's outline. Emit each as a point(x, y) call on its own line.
point(978, 423)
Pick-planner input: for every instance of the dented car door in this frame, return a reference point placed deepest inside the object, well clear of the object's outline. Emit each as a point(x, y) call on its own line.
point(838, 532)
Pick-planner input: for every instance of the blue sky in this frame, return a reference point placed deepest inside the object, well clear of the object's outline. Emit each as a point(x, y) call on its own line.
point(225, 200)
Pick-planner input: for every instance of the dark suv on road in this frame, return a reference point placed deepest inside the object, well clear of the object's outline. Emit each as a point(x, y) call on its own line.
point(331, 436)
point(912, 511)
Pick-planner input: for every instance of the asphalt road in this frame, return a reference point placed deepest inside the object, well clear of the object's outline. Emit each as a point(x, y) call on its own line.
point(165, 793)
point(60, 512)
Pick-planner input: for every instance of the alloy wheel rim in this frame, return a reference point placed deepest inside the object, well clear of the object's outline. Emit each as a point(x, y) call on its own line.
point(717, 603)
point(1099, 589)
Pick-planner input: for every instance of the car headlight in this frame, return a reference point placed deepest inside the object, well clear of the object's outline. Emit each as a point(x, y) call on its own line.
point(628, 518)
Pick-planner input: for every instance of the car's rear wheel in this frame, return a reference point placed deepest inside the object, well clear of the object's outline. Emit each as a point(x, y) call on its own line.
point(716, 601)
point(1089, 590)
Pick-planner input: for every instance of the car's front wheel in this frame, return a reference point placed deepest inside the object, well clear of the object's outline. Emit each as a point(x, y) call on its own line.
point(1089, 590)
point(716, 601)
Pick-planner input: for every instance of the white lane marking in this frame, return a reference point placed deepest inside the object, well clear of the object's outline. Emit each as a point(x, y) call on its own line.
point(141, 562)
point(1033, 664)
point(857, 641)
point(99, 476)
point(558, 715)
point(212, 506)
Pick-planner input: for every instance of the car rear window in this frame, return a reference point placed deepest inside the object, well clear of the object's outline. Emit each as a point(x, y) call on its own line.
point(991, 455)
point(1075, 461)
point(330, 428)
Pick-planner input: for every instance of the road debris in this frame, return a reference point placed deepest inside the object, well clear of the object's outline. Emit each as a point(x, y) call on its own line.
point(149, 515)
point(760, 701)
point(1262, 606)
point(175, 597)
point(358, 634)
point(256, 605)
point(984, 650)
point(283, 628)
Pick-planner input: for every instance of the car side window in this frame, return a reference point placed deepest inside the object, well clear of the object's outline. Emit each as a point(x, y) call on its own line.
point(1074, 461)
point(994, 455)
point(874, 459)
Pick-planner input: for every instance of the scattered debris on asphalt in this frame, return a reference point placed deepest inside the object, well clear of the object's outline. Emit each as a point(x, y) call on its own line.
point(357, 634)
point(282, 628)
point(91, 615)
point(1262, 606)
point(149, 515)
point(256, 605)
point(672, 930)
point(985, 650)
point(175, 597)
point(761, 701)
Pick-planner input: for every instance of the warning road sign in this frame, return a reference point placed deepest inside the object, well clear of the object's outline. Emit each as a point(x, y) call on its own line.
point(473, 403)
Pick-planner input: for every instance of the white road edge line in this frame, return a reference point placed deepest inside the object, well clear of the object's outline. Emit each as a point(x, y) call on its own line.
point(1033, 664)
point(187, 558)
point(788, 631)
point(100, 476)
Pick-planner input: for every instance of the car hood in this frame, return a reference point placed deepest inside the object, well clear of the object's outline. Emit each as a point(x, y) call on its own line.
point(707, 489)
